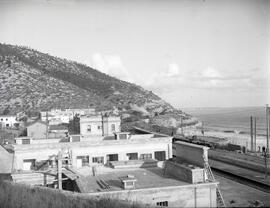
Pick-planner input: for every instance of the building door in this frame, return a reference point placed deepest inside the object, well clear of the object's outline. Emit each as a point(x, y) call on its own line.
point(28, 164)
point(79, 162)
point(160, 155)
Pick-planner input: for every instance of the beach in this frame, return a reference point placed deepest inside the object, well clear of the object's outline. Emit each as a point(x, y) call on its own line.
point(233, 124)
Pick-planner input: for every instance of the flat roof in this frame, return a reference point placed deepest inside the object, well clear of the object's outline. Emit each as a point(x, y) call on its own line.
point(146, 178)
point(90, 143)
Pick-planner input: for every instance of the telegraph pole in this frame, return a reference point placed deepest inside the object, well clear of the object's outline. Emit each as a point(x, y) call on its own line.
point(255, 134)
point(47, 125)
point(267, 130)
point(202, 128)
point(251, 133)
point(181, 118)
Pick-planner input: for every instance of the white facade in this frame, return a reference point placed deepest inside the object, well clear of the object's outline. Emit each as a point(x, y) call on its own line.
point(8, 120)
point(58, 116)
point(99, 125)
point(93, 152)
point(91, 125)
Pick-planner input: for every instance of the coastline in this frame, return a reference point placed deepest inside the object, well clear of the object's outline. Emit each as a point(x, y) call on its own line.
point(236, 138)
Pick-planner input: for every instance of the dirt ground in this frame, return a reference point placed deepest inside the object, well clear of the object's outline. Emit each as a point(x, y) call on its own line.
point(239, 195)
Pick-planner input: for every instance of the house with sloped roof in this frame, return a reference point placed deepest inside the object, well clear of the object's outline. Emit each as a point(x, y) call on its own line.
point(39, 130)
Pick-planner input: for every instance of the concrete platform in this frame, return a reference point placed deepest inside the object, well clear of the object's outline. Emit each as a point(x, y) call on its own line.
point(239, 195)
point(244, 172)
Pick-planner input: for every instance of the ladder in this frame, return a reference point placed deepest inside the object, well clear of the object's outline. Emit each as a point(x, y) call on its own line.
point(210, 176)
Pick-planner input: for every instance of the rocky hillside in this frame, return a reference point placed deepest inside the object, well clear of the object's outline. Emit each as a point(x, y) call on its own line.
point(31, 80)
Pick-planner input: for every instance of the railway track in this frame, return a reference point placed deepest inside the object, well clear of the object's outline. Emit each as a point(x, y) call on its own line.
point(243, 180)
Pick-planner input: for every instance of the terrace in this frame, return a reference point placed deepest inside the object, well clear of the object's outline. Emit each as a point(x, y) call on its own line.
point(145, 178)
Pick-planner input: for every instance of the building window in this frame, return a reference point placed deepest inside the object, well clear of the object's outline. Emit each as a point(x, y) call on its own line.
point(160, 155)
point(84, 159)
point(25, 141)
point(7, 125)
point(98, 160)
point(129, 183)
point(146, 156)
point(113, 127)
point(162, 204)
point(1, 119)
point(132, 156)
point(99, 127)
point(89, 128)
point(6, 119)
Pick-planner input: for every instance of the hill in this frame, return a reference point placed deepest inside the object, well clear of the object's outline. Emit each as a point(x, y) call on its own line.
point(31, 80)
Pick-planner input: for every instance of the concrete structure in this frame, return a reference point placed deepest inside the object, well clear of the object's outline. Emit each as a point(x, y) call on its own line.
point(7, 121)
point(89, 151)
point(178, 184)
point(38, 130)
point(99, 125)
point(190, 153)
point(123, 167)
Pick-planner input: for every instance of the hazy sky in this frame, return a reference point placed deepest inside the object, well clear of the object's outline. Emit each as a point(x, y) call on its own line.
point(191, 53)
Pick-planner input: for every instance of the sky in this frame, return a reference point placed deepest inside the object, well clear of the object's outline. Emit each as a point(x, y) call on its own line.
point(193, 53)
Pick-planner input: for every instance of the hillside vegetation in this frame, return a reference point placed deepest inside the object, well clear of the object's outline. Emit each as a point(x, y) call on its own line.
point(31, 80)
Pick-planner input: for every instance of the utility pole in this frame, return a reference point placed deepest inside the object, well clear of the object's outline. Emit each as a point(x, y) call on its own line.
point(47, 125)
point(267, 130)
point(251, 133)
point(202, 128)
point(181, 118)
point(255, 134)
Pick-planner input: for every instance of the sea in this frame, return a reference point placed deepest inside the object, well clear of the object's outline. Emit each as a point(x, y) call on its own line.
point(231, 119)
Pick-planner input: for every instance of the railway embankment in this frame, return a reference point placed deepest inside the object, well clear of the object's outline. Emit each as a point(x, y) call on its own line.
point(239, 159)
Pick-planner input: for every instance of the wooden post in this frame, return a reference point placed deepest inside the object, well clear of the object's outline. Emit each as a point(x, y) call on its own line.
point(251, 133)
point(59, 170)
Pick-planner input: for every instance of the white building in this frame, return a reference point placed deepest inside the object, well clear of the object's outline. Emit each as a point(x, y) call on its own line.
point(99, 125)
point(93, 150)
point(58, 116)
point(7, 121)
